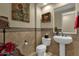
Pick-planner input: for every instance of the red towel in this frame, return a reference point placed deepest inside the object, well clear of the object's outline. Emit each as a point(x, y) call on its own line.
point(76, 22)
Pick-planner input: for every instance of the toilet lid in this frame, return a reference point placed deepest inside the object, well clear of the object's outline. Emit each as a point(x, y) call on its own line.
point(41, 47)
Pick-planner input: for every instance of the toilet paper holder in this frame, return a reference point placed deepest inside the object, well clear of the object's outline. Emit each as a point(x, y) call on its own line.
point(25, 42)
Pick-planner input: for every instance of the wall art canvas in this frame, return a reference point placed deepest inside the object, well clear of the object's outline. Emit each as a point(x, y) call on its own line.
point(46, 17)
point(21, 12)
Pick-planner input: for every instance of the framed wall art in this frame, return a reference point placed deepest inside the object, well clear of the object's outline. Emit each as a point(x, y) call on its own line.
point(21, 12)
point(46, 17)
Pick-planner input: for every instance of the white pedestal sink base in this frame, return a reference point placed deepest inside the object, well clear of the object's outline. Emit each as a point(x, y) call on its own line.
point(62, 50)
point(62, 40)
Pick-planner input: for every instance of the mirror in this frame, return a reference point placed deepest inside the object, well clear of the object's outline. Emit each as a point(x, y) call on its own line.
point(64, 18)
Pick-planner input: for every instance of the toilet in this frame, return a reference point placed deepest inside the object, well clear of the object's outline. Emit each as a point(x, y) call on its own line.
point(41, 49)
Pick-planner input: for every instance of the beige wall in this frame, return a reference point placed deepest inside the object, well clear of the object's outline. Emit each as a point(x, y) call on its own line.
point(18, 37)
point(58, 20)
point(5, 10)
point(38, 16)
point(71, 49)
point(77, 4)
point(49, 8)
point(29, 35)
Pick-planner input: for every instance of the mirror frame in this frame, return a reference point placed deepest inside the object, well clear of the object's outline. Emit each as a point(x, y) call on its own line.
point(54, 19)
point(75, 31)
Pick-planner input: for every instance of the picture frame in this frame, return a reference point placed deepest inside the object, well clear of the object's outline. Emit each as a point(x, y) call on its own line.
point(46, 17)
point(21, 12)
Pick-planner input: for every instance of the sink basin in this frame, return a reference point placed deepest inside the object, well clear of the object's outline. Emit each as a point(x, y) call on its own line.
point(63, 39)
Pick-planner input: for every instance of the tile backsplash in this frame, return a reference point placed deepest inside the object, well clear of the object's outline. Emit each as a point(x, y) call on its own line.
point(18, 37)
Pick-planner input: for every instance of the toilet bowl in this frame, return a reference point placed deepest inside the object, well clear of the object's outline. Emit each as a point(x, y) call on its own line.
point(41, 49)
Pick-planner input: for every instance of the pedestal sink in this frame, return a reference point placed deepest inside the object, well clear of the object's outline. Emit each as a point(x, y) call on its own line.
point(62, 40)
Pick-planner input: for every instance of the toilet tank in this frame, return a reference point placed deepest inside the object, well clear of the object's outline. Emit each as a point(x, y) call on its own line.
point(46, 41)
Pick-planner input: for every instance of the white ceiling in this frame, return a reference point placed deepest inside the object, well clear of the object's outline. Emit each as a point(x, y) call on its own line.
point(41, 5)
point(65, 8)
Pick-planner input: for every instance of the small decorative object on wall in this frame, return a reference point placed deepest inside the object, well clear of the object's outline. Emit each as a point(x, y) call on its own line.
point(46, 17)
point(21, 12)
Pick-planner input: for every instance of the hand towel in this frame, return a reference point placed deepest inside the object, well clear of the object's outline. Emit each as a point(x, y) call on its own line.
point(77, 22)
